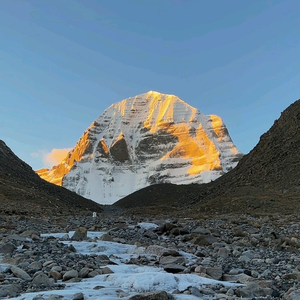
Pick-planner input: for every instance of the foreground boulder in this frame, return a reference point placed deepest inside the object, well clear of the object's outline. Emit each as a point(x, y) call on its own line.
point(20, 273)
point(157, 295)
point(10, 290)
point(80, 234)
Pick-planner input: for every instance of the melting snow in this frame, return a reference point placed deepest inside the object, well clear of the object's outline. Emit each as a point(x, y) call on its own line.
point(127, 279)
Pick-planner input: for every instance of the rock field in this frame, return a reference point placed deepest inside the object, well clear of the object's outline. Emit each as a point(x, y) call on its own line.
point(262, 253)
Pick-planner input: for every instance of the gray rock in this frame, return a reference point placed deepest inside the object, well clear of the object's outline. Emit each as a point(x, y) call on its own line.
point(230, 292)
point(102, 258)
point(80, 234)
point(207, 291)
point(254, 274)
point(289, 276)
point(170, 252)
point(42, 279)
point(157, 295)
point(10, 290)
point(47, 263)
point(292, 294)
point(20, 273)
point(173, 268)
point(56, 268)
point(98, 287)
point(78, 296)
point(16, 237)
point(84, 272)
point(249, 254)
point(204, 240)
point(31, 234)
point(7, 248)
point(179, 231)
point(36, 265)
point(223, 252)
point(150, 234)
point(214, 272)
point(244, 259)
point(121, 293)
point(266, 273)
point(106, 270)
point(155, 249)
point(65, 237)
point(242, 278)
point(235, 271)
point(106, 237)
point(38, 297)
point(201, 230)
point(73, 280)
point(55, 297)
point(200, 269)
point(166, 260)
point(195, 291)
point(55, 275)
point(167, 227)
point(70, 274)
point(251, 290)
point(93, 274)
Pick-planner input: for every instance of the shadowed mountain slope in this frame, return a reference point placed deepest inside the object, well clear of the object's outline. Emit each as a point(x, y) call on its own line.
point(22, 191)
point(267, 180)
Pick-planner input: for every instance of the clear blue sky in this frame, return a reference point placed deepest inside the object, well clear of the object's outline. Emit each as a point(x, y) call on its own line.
point(63, 62)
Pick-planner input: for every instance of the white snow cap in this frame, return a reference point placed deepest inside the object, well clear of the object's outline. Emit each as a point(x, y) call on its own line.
point(147, 139)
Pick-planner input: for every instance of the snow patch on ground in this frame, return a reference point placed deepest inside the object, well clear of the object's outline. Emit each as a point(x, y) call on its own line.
point(127, 279)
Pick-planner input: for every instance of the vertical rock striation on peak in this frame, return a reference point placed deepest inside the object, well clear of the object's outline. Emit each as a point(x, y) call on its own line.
point(143, 140)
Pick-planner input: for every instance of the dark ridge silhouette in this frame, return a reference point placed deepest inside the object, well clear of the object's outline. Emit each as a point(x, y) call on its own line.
point(267, 180)
point(22, 191)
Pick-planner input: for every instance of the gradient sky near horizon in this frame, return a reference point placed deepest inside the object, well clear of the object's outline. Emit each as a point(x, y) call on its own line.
point(63, 62)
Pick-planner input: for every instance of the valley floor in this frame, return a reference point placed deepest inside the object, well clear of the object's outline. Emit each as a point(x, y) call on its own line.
point(134, 257)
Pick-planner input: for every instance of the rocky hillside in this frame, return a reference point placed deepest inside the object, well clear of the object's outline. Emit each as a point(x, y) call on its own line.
point(22, 191)
point(266, 180)
point(143, 140)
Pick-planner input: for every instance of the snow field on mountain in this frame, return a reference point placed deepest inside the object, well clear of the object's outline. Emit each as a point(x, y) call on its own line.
point(143, 140)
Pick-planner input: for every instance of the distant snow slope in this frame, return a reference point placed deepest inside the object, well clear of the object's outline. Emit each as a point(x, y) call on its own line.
point(143, 140)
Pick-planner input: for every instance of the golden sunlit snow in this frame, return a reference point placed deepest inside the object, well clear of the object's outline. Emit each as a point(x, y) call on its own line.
point(142, 123)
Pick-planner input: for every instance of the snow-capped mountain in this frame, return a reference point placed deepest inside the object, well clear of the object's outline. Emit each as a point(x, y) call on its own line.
point(143, 140)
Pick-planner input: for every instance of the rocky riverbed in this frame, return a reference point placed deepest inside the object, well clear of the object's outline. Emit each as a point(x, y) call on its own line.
point(260, 253)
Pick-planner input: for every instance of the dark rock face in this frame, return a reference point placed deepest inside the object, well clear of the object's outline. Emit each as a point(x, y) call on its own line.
point(22, 191)
point(119, 150)
point(148, 146)
point(265, 180)
point(102, 149)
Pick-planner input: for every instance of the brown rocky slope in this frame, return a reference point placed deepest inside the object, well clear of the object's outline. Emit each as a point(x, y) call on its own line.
point(22, 191)
point(267, 180)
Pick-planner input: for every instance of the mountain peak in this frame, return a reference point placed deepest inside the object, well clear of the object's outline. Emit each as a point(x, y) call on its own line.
point(265, 182)
point(146, 139)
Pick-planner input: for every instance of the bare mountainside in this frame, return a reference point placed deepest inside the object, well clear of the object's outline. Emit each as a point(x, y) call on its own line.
point(143, 140)
point(22, 191)
point(267, 180)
